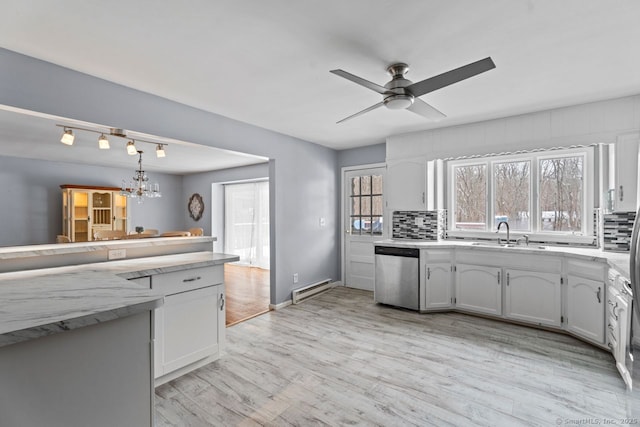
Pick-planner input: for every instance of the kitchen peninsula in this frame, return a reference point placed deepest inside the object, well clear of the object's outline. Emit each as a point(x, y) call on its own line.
point(80, 337)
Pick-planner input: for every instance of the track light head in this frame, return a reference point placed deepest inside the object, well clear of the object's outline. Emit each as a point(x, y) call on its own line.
point(103, 142)
point(67, 137)
point(160, 151)
point(131, 148)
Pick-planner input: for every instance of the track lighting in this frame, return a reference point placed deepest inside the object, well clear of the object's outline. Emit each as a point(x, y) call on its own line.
point(131, 148)
point(103, 142)
point(67, 137)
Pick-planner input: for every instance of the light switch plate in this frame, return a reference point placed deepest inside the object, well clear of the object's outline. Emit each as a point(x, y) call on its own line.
point(117, 254)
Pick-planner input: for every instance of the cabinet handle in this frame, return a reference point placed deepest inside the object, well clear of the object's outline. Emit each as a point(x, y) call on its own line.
point(507, 279)
point(621, 193)
point(499, 276)
point(423, 197)
point(221, 302)
point(598, 294)
point(192, 279)
point(610, 345)
point(428, 273)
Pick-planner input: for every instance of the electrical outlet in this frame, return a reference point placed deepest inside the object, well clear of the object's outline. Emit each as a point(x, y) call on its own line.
point(117, 254)
point(419, 221)
point(322, 222)
point(295, 278)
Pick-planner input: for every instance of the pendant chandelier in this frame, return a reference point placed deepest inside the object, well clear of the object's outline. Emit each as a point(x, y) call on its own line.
point(139, 187)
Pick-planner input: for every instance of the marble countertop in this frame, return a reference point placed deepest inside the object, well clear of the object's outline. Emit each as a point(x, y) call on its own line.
point(43, 302)
point(10, 252)
point(617, 260)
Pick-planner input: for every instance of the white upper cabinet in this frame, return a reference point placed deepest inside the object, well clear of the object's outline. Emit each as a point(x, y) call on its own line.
point(626, 172)
point(406, 185)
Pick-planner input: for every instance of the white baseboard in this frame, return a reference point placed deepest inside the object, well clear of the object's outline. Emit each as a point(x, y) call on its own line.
point(281, 305)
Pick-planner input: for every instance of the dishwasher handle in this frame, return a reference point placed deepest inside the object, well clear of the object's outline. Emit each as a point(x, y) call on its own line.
point(395, 251)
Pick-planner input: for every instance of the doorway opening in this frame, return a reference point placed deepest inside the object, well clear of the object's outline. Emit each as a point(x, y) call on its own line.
point(246, 234)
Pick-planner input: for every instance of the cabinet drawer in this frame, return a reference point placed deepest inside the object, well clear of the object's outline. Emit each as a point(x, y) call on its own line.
point(186, 280)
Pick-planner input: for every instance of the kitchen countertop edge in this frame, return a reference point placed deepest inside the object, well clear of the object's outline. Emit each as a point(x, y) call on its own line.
point(83, 295)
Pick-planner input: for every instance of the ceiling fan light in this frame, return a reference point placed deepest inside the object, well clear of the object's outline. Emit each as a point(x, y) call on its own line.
point(160, 151)
point(131, 148)
point(398, 102)
point(103, 142)
point(67, 137)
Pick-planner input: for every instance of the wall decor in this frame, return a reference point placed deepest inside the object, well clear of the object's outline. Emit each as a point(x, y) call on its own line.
point(195, 206)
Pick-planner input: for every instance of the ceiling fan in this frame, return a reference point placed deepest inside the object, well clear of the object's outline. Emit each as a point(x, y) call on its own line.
point(400, 93)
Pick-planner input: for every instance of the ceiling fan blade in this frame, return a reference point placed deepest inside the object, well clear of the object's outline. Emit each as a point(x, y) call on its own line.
point(451, 77)
point(366, 110)
point(359, 80)
point(425, 110)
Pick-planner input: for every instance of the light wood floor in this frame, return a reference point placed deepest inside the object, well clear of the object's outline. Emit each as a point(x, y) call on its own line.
point(340, 359)
point(247, 292)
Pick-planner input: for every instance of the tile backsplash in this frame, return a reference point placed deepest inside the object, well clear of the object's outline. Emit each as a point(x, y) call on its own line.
point(418, 225)
point(617, 231)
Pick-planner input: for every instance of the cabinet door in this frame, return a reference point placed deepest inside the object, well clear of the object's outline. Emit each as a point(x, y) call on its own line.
point(478, 289)
point(190, 327)
point(626, 149)
point(80, 216)
point(585, 308)
point(534, 297)
point(119, 212)
point(438, 292)
point(406, 184)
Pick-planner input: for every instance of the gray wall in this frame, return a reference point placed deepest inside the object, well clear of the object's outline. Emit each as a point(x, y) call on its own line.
point(31, 211)
point(209, 186)
point(367, 155)
point(302, 175)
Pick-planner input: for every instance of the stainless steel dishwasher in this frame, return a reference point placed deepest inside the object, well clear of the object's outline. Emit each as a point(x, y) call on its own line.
point(397, 276)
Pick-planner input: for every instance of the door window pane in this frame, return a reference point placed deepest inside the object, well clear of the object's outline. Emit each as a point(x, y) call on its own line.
point(366, 205)
point(376, 184)
point(561, 194)
point(365, 185)
point(512, 190)
point(470, 197)
point(355, 185)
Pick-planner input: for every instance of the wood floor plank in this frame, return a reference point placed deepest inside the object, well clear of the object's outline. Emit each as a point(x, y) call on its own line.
point(247, 291)
point(341, 359)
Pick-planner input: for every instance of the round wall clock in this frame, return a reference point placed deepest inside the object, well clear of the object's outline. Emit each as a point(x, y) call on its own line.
point(195, 206)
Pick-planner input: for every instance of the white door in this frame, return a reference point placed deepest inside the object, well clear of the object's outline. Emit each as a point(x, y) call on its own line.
point(533, 296)
point(363, 215)
point(585, 308)
point(479, 289)
point(438, 286)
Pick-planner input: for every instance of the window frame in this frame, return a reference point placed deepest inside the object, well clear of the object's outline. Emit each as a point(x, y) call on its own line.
point(586, 236)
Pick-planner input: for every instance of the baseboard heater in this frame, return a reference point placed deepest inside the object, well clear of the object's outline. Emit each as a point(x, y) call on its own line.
point(307, 292)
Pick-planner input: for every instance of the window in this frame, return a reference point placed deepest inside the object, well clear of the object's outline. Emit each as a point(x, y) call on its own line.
point(546, 192)
point(366, 205)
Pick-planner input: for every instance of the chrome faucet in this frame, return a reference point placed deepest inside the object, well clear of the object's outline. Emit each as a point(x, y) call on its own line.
point(498, 229)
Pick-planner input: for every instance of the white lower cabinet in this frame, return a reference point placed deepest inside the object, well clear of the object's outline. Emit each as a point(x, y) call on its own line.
point(478, 289)
point(189, 328)
point(585, 307)
point(533, 296)
point(438, 289)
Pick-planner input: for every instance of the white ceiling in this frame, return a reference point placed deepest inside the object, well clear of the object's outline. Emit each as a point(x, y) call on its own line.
point(267, 62)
